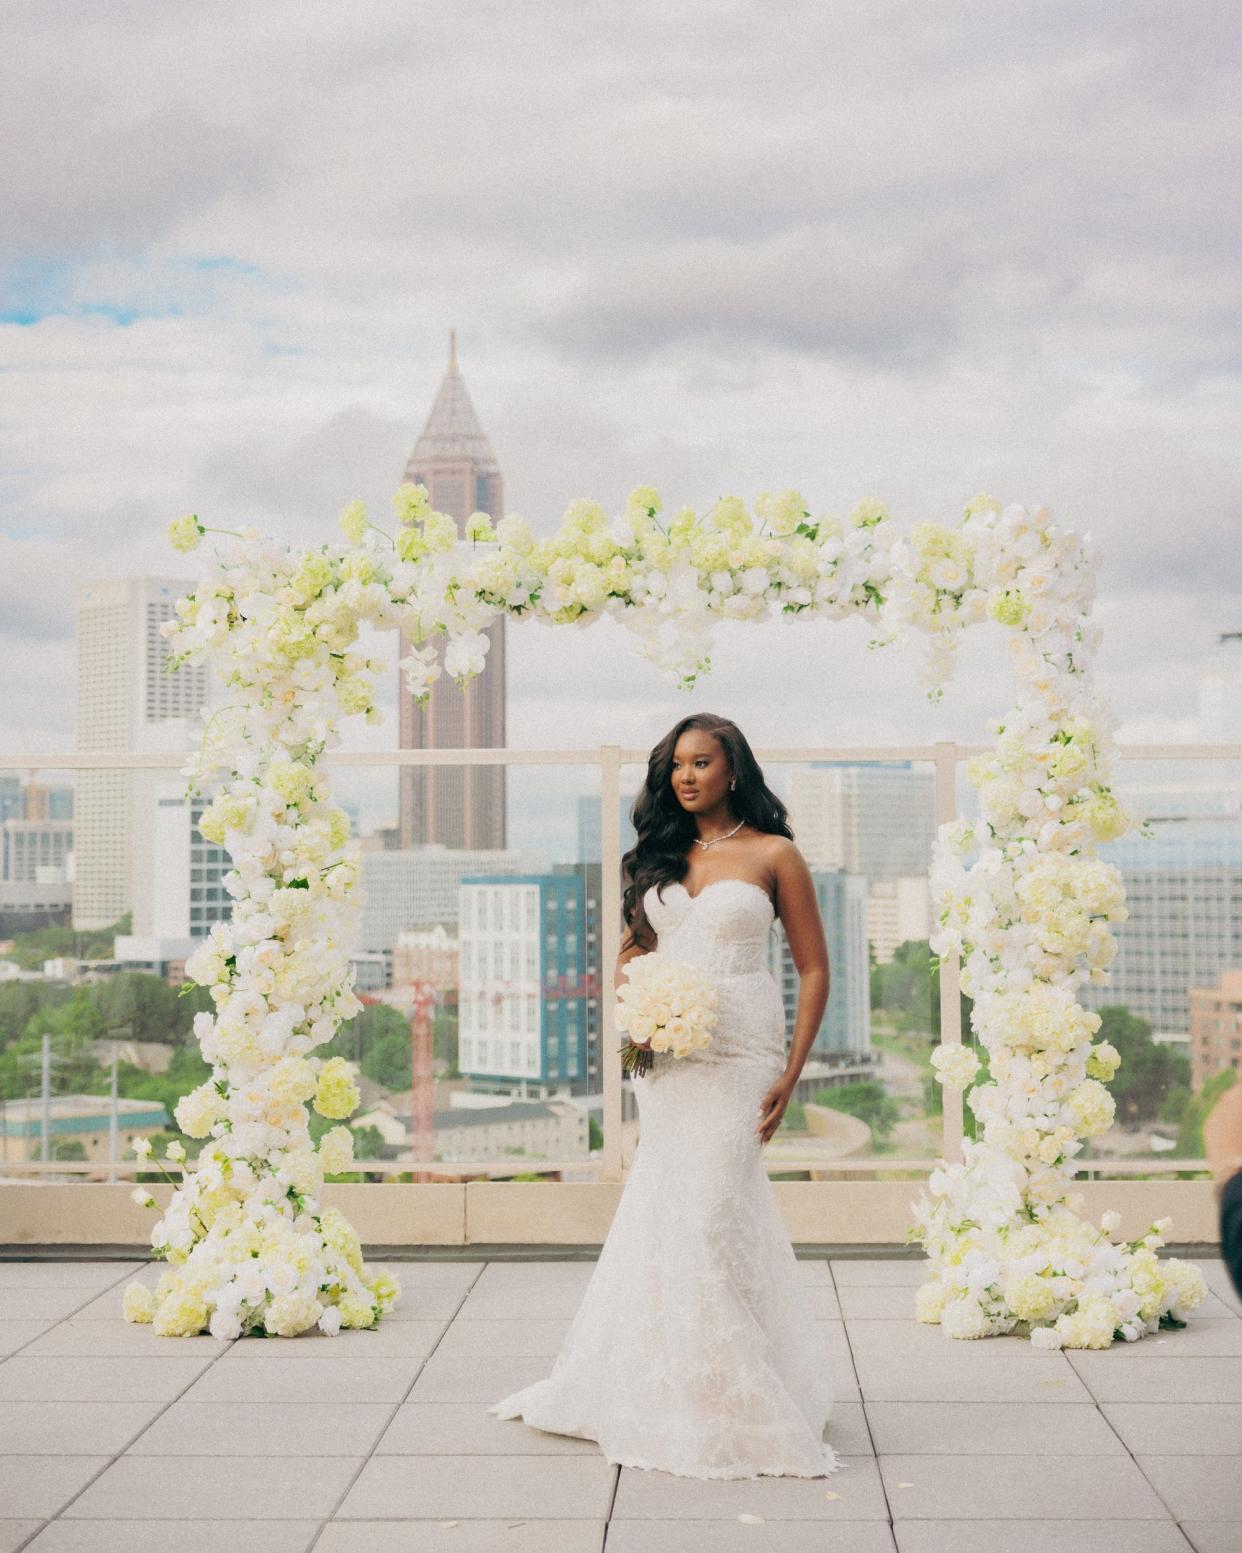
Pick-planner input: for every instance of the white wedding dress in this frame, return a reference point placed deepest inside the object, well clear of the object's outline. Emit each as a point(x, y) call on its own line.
point(694, 1349)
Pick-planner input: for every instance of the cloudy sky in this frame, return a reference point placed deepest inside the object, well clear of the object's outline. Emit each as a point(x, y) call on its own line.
point(864, 249)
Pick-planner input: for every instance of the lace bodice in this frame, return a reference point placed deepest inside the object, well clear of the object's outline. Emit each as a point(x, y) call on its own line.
point(724, 932)
point(724, 929)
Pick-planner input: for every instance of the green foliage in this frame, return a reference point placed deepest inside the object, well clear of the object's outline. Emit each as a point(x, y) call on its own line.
point(50, 943)
point(138, 1007)
point(1190, 1133)
point(933, 1095)
point(378, 1040)
point(866, 1099)
point(186, 1071)
point(68, 1148)
point(1148, 1074)
point(595, 1135)
point(794, 1119)
point(72, 1025)
point(368, 1142)
point(20, 1001)
point(908, 989)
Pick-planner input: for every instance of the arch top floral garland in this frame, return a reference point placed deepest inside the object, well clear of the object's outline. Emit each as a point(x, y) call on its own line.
point(1020, 894)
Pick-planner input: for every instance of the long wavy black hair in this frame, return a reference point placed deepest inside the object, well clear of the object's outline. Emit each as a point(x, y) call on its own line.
point(665, 830)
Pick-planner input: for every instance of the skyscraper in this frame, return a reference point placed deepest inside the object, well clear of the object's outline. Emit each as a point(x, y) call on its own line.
point(458, 807)
point(126, 700)
point(871, 817)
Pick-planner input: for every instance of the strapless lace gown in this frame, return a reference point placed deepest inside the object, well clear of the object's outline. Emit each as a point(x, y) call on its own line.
point(694, 1349)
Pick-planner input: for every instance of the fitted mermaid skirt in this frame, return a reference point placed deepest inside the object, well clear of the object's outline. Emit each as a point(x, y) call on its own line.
point(694, 1349)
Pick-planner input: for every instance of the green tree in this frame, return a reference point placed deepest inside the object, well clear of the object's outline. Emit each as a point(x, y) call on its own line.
point(907, 988)
point(71, 1025)
point(140, 1007)
point(1148, 1072)
point(1190, 1133)
point(866, 1099)
point(186, 1071)
point(49, 943)
point(20, 1001)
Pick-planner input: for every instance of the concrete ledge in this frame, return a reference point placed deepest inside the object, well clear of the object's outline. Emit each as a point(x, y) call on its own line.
point(533, 1213)
point(571, 1212)
point(431, 1213)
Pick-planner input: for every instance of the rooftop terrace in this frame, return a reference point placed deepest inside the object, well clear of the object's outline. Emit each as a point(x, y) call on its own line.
point(115, 1439)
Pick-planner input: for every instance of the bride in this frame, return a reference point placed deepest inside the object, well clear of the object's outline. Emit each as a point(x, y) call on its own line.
point(693, 1349)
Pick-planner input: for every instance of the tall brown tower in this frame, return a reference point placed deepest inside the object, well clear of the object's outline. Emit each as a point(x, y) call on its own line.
point(458, 807)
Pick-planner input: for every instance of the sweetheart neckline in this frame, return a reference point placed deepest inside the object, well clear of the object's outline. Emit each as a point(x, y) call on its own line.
point(727, 880)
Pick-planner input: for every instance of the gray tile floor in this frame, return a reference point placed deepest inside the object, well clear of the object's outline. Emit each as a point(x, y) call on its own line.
point(114, 1439)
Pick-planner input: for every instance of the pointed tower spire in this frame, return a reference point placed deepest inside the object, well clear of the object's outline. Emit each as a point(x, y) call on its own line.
point(456, 806)
point(453, 429)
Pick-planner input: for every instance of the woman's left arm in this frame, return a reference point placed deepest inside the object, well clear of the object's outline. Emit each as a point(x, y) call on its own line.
point(798, 910)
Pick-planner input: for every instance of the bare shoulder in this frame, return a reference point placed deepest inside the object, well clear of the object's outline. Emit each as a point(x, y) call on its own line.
point(780, 852)
point(784, 864)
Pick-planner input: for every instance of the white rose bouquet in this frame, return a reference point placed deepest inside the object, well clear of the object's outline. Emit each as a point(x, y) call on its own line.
point(667, 1006)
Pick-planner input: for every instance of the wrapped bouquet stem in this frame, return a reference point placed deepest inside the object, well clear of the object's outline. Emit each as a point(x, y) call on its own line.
point(664, 1005)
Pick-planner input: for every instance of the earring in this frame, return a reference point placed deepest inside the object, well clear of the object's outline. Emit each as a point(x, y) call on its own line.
point(732, 782)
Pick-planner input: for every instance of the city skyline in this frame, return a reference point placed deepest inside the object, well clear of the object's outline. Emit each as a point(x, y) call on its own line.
point(656, 279)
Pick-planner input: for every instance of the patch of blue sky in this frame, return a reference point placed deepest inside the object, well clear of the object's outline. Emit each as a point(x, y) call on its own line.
point(173, 287)
point(33, 288)
point(225, 261)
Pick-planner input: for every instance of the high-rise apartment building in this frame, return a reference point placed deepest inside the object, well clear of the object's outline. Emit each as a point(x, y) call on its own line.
point(418, 887)
point(525, 983)
point(125, 699)
point(871, 817)
point(35, 851)
point(1184, 894)
point(898, 910)
point(845, 1029)
point(590, 840)
point(456, 806)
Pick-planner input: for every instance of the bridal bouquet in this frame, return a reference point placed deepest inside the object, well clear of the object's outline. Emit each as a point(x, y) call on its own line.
point(666, 1003)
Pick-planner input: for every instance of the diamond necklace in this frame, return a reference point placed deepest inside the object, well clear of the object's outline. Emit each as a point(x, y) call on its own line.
point(725, 837)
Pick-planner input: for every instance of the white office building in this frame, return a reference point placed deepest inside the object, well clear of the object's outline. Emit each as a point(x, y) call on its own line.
point(876, 818)
point(417, 887)
point(1184, 895)
point(126, 699)
point(898, 910)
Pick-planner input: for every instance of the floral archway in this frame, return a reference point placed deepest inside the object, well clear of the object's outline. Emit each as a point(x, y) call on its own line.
point(1020, 895)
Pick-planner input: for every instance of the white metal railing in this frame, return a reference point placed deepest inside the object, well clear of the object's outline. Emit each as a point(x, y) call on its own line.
point(944, 757)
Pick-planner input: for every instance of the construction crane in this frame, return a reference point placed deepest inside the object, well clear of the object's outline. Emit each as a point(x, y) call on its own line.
point(425, 999)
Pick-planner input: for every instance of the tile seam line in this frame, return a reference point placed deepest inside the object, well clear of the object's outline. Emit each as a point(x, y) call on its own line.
point(396, 1408)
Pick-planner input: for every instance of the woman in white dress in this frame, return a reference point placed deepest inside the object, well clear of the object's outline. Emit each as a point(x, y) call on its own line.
point(693, 1349)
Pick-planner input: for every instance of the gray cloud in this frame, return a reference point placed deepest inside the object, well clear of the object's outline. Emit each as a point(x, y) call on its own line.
point(717, 247)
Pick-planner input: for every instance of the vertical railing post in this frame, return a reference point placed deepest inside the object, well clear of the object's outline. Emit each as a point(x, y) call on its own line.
point(950, 970)
point(610, 942)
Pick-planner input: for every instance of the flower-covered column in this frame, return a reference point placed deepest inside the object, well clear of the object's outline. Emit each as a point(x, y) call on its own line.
point(1030, 916)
